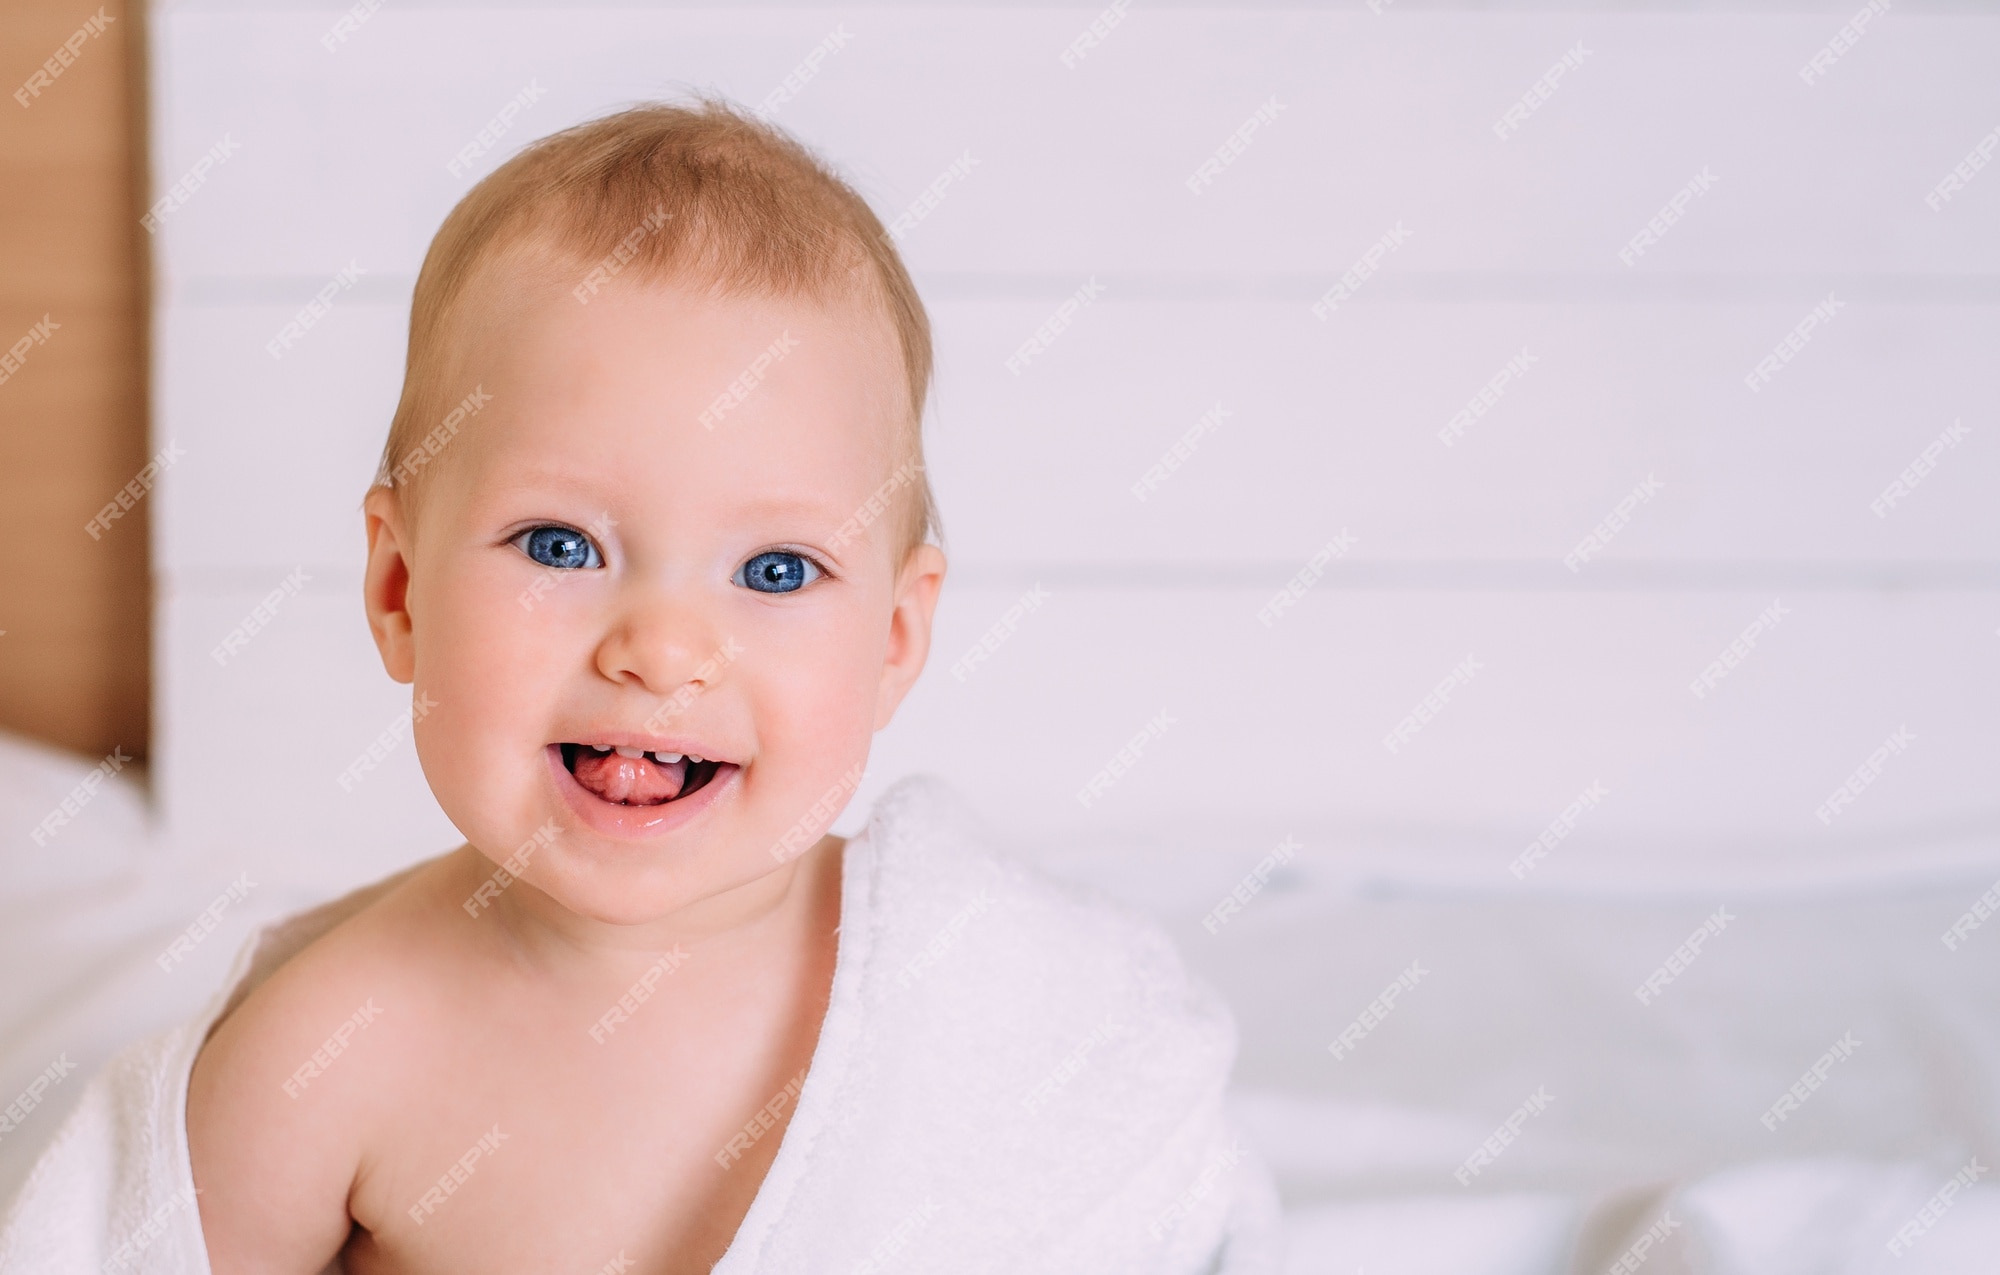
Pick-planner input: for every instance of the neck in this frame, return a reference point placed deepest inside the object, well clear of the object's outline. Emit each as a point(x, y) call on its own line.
point(540, 932)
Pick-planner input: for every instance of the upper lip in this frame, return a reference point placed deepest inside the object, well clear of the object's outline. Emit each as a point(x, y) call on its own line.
point(648, 744)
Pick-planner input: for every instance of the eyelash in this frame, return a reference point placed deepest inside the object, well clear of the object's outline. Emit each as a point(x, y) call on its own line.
point(521, 538)
point(825, 571)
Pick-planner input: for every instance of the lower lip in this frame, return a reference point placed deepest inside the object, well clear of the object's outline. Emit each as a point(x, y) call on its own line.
point(638, 823)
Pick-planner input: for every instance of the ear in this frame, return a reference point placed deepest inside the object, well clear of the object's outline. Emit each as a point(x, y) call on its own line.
point(385, 589)
point(917, 586)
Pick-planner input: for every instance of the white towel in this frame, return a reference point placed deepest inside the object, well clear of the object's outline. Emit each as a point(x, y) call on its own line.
point(1012, 1075)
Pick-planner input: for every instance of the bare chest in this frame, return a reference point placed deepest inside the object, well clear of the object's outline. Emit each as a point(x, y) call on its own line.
point(583, 1140)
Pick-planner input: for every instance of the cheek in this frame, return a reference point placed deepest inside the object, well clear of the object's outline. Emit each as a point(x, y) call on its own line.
point(814, 690)
point(484, 661)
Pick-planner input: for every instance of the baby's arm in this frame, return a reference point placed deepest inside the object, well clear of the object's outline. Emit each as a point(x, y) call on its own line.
point(273, 1160)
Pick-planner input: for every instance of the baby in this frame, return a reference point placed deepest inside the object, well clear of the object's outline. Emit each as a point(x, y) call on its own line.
point(652, 545)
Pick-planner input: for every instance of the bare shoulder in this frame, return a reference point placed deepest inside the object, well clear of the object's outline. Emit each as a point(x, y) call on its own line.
point(300, 1024)
point(287, 1089)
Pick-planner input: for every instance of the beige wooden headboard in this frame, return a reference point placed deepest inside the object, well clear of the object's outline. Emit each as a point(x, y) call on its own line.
point(76, 610)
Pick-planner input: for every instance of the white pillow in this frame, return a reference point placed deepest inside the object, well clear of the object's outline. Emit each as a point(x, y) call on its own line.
point(104, 834)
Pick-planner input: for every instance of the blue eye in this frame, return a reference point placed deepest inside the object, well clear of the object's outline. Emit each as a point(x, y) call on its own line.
point(777, 572)
point(559, 547)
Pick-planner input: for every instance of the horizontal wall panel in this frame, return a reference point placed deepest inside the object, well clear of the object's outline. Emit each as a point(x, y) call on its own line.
point(276, 453)
point(1344, 427)
point(1284, 725)
point(1380, 120)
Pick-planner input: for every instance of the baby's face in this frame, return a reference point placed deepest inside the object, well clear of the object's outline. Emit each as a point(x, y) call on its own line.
point(608, 561)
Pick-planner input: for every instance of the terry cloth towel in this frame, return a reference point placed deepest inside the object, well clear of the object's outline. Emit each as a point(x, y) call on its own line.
point(1013, 1074)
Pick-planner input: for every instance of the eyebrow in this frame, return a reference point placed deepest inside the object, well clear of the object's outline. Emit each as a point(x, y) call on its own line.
point(789, 505)
point(536, 479)
point(816, 510)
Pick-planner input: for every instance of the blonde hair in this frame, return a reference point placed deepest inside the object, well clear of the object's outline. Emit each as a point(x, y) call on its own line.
point(702, 191)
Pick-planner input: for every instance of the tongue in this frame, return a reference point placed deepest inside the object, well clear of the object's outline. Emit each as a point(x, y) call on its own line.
point(632, 781)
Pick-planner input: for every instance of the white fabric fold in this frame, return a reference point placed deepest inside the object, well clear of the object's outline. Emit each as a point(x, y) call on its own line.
point(1012, 1074)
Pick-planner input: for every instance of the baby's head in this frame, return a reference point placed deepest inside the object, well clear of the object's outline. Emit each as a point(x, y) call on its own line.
point(655, 484)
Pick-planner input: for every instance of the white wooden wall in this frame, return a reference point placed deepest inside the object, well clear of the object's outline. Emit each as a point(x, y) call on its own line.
point(1081, 172)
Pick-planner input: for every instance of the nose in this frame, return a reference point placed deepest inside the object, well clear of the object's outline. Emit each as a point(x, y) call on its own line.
point(661, 640)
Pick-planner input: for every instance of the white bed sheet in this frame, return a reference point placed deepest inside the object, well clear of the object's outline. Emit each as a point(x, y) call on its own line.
point(1655, 1108)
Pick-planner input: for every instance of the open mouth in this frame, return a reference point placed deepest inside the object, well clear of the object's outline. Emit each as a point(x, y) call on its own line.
point(626, 776)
